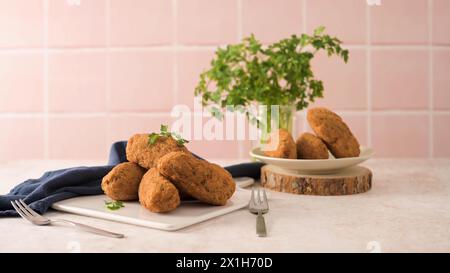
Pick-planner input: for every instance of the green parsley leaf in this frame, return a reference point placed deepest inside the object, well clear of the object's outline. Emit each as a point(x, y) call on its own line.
point(164, 132)
point(182, 141)
point(164, 128)
point(319, 30)
point(152, 138)
point(114, 205)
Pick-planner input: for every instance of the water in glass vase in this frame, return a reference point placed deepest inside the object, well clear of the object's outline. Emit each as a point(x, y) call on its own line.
point(275, 117)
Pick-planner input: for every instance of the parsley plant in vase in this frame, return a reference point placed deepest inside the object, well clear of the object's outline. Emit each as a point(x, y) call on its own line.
point(247, 74)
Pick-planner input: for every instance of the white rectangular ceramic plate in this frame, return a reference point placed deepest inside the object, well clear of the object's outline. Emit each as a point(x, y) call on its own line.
point(189, 212)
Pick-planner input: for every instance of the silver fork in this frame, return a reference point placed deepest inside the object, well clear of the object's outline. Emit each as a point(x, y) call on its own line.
point(30, 215)
point(259, 206)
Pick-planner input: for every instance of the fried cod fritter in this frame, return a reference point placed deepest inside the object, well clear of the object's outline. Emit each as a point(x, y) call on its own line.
point(330, 127)
point(122, 182)
point(157, 193)
point(311, 147)
point(141, 152)
point(200, 179)
point(286, 147)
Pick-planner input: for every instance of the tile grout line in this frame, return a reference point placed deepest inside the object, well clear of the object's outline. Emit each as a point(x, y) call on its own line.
point(241, 146)
point(159, 114)
point(204, 47)
point(108, 74)
point(239, 20)
point(303, 27)
point(174, 50)
point(430, 81)
point(46, 85)
point(369, 76)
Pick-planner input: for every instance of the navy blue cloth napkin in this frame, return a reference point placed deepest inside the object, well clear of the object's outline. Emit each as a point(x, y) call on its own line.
point(58, 185)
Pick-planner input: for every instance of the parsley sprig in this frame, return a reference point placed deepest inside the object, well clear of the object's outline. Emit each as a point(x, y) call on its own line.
point(114, 205)
point(164, 132)
point(279, 74)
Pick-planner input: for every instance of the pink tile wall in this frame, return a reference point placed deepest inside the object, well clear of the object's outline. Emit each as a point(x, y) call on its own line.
point(21, 82)
point(141, 80)
point(21, 138)
point(72, 25)
point(400, 79)
point(441, 22)
point(441, 134)
point(400, 22)
point(346, 19)
point(151, 22)
point(441, 79)
point(77, 137)
point(270, 22)
point(400, 135)
point(338, 88)
point(207, 22)
point(190, 65)
point(21, 23)
point(76, 75)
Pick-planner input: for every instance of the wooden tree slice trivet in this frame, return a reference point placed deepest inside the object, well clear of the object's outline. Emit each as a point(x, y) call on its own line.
point(353, 180)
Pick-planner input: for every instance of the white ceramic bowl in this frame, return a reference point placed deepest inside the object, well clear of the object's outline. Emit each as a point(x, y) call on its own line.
point(314, 166)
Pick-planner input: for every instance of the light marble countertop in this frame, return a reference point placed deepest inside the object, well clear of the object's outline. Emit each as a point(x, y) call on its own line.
point(408, 209)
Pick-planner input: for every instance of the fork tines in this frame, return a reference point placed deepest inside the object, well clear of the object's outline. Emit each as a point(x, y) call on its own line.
point(24, 210)
point(260, 199)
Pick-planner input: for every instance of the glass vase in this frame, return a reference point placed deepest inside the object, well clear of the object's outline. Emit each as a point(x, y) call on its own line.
point(276, 117)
